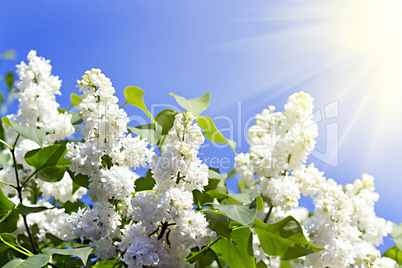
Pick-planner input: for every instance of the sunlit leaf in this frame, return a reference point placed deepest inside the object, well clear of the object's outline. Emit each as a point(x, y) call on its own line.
point(212, 133)
point(395, 254)
point(75, 99)
point(196, 106)
point(244, 214)
point(135, 96)
point(150, 132)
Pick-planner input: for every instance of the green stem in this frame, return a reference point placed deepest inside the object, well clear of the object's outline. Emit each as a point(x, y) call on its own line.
point(19, 190)
point(16, 140)
point(6, 144)
point(268, 214)
point(25, 182)
point(9, 184)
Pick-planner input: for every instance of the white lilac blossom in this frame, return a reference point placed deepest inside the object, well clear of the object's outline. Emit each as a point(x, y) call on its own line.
point(104, 130)
point(36, 93)
point(280, 144)
point(330, 227)
point(344, 222)
point(107, 156)
point(165, 225)
point(114, 183)
point(345, 225)
point(61, 190)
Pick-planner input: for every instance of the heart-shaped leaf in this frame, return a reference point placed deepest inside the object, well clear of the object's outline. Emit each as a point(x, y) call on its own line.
point(135, 96)
point(284, 238)
point(30, 133)
point(49, 162)
point(196, 106)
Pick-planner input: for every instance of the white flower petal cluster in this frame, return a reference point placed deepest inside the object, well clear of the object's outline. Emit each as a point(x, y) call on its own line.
point(165, 225)
point(363, 197)
point(280, 144)
point(345, 224)
point(107, 156)
point(114, 183)
point(52, 220)
point(104, 129)
point(36, 93)
point(344, 221)
point(330, 227)
point(61, 190)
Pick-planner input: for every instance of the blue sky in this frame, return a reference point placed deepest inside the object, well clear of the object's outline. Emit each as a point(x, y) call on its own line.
point(256, 53)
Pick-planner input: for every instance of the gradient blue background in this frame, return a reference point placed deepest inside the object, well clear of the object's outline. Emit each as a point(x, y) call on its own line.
point(253, 52)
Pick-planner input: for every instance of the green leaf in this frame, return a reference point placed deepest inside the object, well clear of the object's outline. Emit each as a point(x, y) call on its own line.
point(55, 240)
point(35, 261)
point(218, 222)
point(8, 55)
point(243, 198)
point(212, 133)
point(213, 173)
point(30, 133)
point(72, 207)
point(75, 99)
point(238, 252)
point(49, 162)
point(150, 132)
point(79, 179)
point(135, 96)
point(195, 106)
point(259, 202)
point(203, 257)
point(5, 205)
point(25, 210)
point(244, 214)
point(145, 183)
point(76, 120)
point(2, 136)
point(11, 241)
point(9, 79)
point(6, 254)
point(397, 235)
point(165, 119)
point(9, 222)
point(104, 264)
point(81, 253)
point(261, 264)
point(13, 263)
point(395, 254)
point(284, 239)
